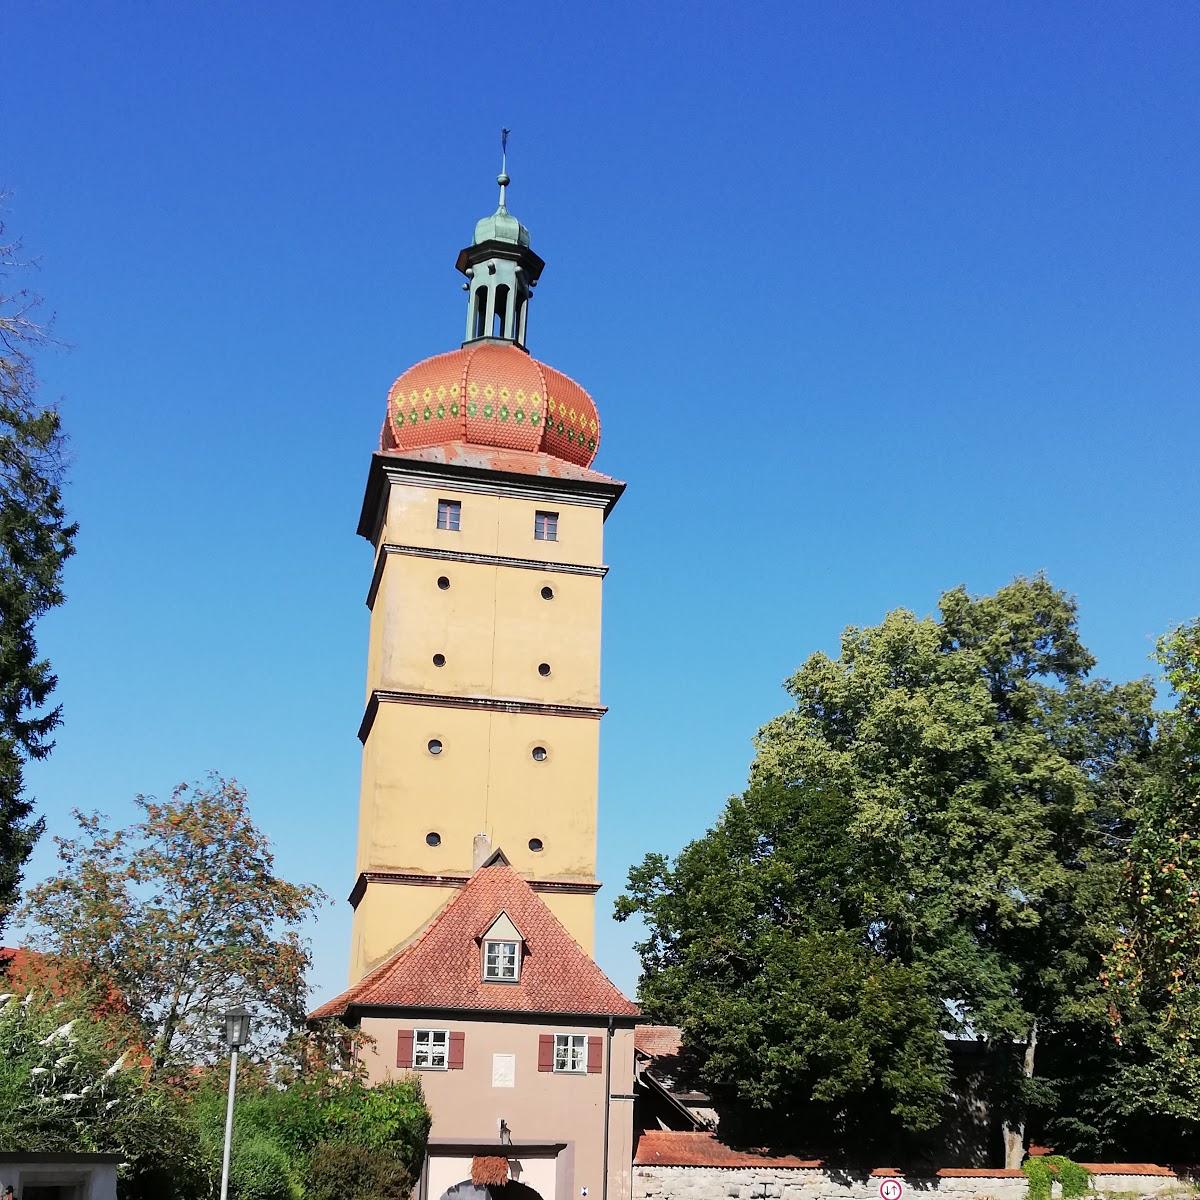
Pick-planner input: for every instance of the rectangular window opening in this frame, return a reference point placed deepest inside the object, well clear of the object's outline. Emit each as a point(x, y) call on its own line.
point(545, 526)
point(449, 515)
point(431, 1048)
point(501, 961)
point(570, 1052)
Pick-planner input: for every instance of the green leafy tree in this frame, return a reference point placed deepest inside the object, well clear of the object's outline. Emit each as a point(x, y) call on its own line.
point(180, 914)
point(1153, 974)
point(792, 1019)
point(71, 1083)
point(983, 789)
point(35, 542)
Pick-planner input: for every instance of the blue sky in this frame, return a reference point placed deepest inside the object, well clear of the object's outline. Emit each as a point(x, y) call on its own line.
point(874, 300)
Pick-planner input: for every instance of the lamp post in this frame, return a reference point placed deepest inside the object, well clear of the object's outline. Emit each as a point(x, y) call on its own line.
point(237, 1034)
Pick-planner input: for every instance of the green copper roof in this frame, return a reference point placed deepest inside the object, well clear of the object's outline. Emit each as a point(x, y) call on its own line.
point(501, 226)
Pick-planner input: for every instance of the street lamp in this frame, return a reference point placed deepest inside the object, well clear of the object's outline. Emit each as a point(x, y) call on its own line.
point(237, 1034)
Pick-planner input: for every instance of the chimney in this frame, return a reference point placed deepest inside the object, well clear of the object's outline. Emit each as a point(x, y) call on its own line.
point(481, 851)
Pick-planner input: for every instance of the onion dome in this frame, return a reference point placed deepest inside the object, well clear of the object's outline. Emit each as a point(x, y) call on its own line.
point(492, 393)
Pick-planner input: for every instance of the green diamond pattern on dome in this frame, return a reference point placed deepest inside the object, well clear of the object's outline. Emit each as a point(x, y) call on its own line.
point(519, 415)
point(504, 412)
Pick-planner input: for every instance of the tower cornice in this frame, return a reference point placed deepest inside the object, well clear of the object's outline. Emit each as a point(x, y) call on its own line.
point(587, 488)
point(505, 704)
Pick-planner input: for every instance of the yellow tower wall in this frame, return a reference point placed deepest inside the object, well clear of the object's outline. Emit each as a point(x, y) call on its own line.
point(487, 705)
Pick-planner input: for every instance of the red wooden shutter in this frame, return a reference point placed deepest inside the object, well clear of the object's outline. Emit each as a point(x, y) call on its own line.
point(458, 1046)
point(595, 1054)
point(546, 1052)
point(404, 1047)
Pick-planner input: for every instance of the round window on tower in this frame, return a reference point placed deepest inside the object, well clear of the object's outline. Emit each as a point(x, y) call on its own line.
point(439, 660)
point(540, 754)
point(535, 844)
point(543, 669)
point(433, 839)
point(434, 746)
point(443, 582)
point(547, 593)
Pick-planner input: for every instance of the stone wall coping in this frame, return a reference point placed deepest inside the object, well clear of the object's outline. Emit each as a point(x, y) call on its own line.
point(1126, 1169)
point(981, 1173)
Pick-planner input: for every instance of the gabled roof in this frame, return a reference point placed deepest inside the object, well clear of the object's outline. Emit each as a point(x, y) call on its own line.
point(442, 967)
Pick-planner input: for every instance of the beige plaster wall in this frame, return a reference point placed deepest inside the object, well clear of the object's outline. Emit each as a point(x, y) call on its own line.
point(493, 524)
point(541, 1106)
point(494, 628)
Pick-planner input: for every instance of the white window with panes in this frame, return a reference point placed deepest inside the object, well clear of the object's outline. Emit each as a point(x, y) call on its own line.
point(449, 515)
point(431, 1049)
point(570, 1052)
point(545, 526)
point(501, 961)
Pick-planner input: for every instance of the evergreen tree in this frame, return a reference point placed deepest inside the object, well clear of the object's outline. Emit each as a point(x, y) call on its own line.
point(35, 542)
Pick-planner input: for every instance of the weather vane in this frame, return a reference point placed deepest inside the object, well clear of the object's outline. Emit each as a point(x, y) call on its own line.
point(502, 178)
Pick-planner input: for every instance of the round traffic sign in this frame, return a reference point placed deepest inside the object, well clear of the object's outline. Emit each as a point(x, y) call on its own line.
point(890, 1189)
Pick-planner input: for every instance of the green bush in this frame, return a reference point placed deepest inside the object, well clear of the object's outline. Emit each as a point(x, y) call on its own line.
point(261, 1170)
point(1042, 1171)
point(341, 1172)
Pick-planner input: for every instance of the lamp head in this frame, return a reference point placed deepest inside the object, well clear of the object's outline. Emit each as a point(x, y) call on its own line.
point(237, 1026)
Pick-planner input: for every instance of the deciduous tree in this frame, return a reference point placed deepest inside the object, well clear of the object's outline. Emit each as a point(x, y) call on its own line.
point(1153, 974)
point(35, 542)
point(983, 786)
point(182, 913)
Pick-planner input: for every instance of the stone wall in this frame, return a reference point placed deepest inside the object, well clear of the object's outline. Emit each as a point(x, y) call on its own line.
point(659, 1182)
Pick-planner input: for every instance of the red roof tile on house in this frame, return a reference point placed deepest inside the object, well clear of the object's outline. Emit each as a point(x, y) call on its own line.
point(442, 968)
point(657, 1041)
point(679, 1148)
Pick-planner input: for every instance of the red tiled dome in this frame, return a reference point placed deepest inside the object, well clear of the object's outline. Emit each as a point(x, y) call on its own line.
point(492, 394)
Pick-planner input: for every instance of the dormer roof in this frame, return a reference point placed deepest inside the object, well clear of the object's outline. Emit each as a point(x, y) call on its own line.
point(441, 968)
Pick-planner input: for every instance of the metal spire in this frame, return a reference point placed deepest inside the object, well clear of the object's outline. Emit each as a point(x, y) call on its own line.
point(502, 179)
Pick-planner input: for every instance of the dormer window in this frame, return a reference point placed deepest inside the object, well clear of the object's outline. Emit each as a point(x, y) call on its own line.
point(501, 962)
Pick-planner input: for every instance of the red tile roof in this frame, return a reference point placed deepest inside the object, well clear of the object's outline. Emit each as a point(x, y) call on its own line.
point(492, 394)
point(658, 1041)
point(494, 458)
point(442, 968)
point(678, 1148)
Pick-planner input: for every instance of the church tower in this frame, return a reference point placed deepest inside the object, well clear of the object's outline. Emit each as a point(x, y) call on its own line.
point(481, 728)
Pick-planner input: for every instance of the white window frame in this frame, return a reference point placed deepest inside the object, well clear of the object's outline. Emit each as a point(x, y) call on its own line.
point(428, 1044)
point(570, 1053)
point(545, 526)
point(493, 971)
point(451, 510)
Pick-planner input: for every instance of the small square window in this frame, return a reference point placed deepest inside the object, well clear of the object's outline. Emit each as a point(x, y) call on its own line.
point(430, 1049)
point(545, 526)
point(570, 1052)
point(501, 961)
point(449, 515)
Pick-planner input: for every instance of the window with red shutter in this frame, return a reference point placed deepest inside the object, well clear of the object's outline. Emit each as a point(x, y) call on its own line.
point(546, 1052)
point(595, 1053)
point(458, 1050)
point(404, 1047)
